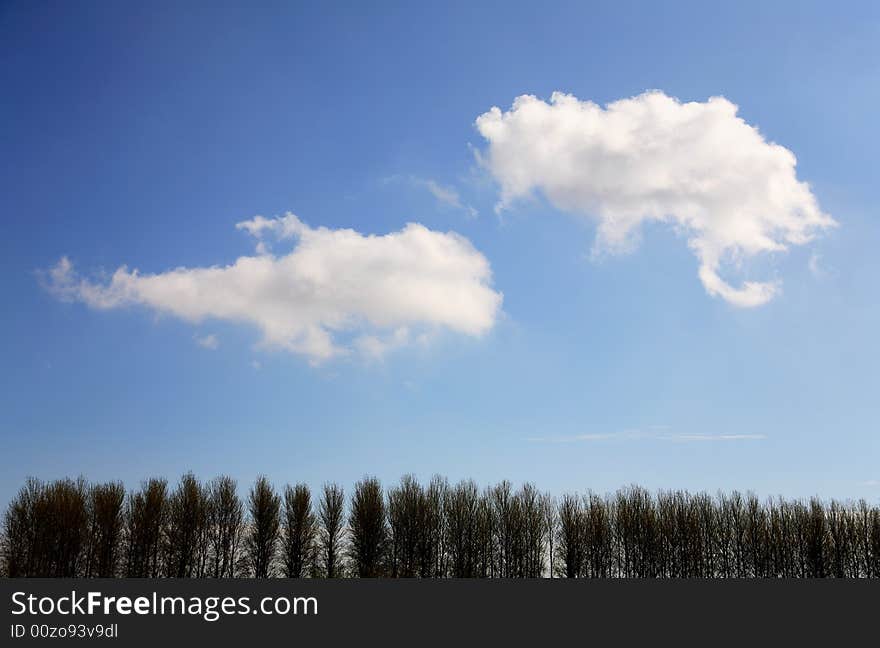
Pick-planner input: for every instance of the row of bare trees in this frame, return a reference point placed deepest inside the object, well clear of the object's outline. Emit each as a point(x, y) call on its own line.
point(199, 529)
point(681, 535)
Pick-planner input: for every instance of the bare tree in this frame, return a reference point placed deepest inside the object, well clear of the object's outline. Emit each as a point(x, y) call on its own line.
point(873, 542)
point(69, 528)
point(368, 529)
point(65, 516)
point(817, 540)
point(145, 528)
point(264, 508)
point(461, 510)
point(46, 530)
point(330, 513)
point(187, 529)
point(225, 526)
point(598, 537)
point(551, 521)
point(506, 514)
point(299, 532)
point(485, 531)
point(533, 529)
point(106, 521)
point(571, 536)
point(432, 530)
point(406, 515)
point(20, 531)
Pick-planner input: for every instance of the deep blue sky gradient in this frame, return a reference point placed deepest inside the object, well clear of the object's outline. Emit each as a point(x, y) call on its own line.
point(140, 134)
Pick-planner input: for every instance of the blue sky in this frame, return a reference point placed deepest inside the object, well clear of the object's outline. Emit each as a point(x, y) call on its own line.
point(140, 136)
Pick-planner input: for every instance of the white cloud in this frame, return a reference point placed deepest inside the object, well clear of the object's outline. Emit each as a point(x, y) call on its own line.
point(376, 346)
point(282, 227)
point(639, 435)
point(446, 195)
point(818, 267)
point(715, 437)
point(208, 341)
point(332, 284)
point(697, 166)
point(443, 194)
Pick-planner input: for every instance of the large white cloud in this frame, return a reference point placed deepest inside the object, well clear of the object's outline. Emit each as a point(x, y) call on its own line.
point(697, 166)
point(374, 292)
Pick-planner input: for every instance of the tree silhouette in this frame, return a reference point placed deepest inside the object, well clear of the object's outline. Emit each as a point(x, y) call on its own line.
point(299, 532)
point(432, 530)
point(21, 531)
point(461, 510)
point(145, 529)
point(68, 528)
point(186, 535)
point(330, 514)
point(106, 522)
point(225, 526)
point(264, 507)
point(571, 536)
point(407, 513)
point(368, 529)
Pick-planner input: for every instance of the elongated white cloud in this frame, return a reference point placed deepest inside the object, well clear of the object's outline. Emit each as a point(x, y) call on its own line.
point(697, 166)
point(639, 435)
point(334, 283)
point(446, 195)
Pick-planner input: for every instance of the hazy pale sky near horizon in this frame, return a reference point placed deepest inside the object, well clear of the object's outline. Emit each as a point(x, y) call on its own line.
point(579, 244)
